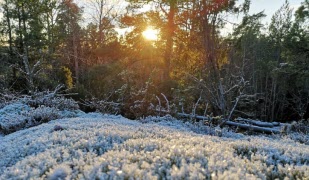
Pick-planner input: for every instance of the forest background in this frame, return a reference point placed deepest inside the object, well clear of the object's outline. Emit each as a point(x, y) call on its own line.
point(257, 71)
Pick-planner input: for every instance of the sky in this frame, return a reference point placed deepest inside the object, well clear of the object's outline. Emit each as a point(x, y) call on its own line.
point(269, 7)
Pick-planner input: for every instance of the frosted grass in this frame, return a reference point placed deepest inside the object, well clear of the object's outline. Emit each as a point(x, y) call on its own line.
point(96, 146)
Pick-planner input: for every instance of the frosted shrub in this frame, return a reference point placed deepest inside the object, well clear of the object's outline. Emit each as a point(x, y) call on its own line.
point(299, 137)
point(46, 98)
point(12, 117)
point(41, 115)
point(301, 126)
point(6, 99)
point(21, 111)
point(60, 103)
point(104, 106)
point(17, 116)
point(297, 131)
point(13, 108)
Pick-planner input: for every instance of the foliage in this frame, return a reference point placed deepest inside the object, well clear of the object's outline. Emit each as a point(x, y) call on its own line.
point(258, 71)
point(67, 77)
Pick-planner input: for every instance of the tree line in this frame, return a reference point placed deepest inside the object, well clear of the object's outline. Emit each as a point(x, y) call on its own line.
point(258, 71)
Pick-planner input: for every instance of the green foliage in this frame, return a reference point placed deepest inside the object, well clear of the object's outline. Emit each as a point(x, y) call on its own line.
point(102, 81)
point(67, 77)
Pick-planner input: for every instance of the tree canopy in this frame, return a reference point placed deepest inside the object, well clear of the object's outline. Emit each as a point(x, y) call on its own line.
point(257, 71)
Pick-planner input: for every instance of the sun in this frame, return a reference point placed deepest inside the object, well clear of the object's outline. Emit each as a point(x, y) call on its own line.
point(151, 34)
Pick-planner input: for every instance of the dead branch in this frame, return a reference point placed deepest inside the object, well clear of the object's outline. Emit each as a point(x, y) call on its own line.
point(256, 126)
point(184, 115)
point(253, 128)
point(196, 104)
point(257, 123)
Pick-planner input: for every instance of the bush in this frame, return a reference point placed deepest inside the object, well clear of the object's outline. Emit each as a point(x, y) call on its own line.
point(67, 77)
point(27, 111)
point(50, 100)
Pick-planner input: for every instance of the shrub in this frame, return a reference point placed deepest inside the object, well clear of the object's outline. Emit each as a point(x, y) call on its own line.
point(27, 111)
point(50, 100)
point(67, 77)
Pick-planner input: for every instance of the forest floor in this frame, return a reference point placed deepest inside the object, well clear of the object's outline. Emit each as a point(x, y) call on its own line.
point(94, 145)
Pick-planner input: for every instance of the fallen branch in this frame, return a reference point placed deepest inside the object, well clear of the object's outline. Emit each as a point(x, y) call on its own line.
point(257, 123)
point(184, 115)
point(254, 128)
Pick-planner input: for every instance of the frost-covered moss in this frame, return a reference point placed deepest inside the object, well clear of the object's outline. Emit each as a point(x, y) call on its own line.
point(111, 147)
point(16, 116)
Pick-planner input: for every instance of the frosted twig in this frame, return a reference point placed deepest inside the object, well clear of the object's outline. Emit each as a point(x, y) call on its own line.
point(167, 102)
point(196, 104)
point(206, 109)
point(159, 105)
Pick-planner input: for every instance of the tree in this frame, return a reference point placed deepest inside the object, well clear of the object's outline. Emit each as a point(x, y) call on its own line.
point(68, 23)
point(297, 61)
point(248, 51)
point(8, 29)
point(278, 31)
point(169, 9)
point(103, 13)
point(298, 37)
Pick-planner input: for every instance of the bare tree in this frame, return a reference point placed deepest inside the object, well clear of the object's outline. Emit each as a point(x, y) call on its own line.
point(104, 14)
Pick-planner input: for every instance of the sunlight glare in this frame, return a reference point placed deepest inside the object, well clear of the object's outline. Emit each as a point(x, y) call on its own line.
point(151, 34)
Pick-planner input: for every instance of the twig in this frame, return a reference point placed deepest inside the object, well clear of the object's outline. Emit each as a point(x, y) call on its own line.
point(167, 102)
point(205, 112)
point(231, 112)
point(159, 105)
point(196, 104)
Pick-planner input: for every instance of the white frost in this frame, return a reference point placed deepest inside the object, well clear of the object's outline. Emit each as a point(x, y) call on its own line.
point(112, 147)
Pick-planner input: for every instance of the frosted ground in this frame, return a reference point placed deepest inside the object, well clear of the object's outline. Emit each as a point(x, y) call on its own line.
point(96, 146)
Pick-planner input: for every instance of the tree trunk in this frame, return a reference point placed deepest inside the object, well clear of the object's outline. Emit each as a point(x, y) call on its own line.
point(208, 31)
point(75, 54)
point(20, 32)
point(49, 36)
point(101, 4)
point(274, 97)
point(25, 56)
point(169, 41)
point(6, 9)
